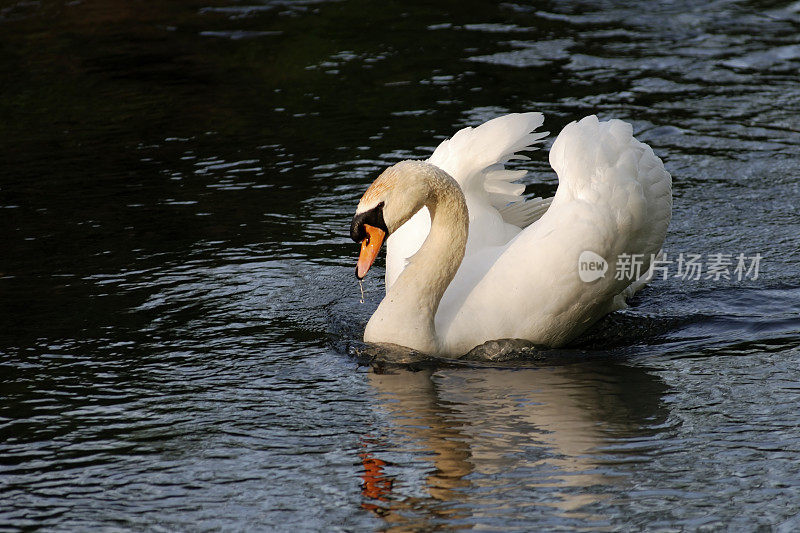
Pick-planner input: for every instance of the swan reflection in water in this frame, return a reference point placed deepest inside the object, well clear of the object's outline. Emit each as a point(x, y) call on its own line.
point(537, 439)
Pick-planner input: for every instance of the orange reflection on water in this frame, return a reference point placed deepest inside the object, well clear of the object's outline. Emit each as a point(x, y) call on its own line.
point(377, 485)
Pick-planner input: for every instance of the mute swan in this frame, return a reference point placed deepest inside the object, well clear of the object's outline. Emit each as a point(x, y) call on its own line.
point(461, 270)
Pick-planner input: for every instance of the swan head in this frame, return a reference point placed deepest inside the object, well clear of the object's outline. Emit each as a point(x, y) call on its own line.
point(394, 197)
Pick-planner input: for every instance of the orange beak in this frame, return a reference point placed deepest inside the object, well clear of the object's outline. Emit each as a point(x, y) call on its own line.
point(369, 250)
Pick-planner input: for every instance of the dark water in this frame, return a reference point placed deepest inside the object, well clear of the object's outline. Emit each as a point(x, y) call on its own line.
point(179, 321)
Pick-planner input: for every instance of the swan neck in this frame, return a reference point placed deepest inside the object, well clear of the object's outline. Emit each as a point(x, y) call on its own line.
point(412, 301)
point(434, 266)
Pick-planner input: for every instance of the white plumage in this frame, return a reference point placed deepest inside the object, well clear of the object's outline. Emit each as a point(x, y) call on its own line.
point(475, 158)
point(614, 198)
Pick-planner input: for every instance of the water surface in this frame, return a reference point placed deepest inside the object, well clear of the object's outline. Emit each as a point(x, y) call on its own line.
point(179, 323)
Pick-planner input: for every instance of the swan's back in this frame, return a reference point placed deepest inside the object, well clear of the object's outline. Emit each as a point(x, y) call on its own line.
point(614, 197)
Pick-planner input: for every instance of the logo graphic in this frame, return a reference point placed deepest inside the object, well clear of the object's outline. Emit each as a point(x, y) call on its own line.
point(591, 266)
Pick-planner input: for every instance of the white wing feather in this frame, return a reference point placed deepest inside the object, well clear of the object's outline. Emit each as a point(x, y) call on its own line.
point(614, 197)
point(476, 158)
point(523, 214)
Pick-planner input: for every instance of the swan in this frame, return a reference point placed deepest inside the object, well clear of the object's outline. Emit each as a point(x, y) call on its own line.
point(469, 260)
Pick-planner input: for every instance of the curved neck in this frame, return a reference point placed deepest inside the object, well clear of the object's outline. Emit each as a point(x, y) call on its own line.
point(406, 314)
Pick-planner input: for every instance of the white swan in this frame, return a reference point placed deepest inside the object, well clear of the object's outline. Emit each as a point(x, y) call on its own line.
point(461, 270)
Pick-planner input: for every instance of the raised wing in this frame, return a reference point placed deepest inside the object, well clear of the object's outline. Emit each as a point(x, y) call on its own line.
point(476, 158)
